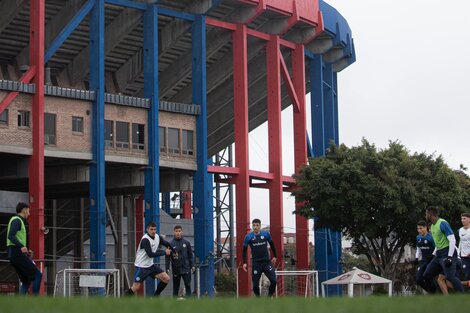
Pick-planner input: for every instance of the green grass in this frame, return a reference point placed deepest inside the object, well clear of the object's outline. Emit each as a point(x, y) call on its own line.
point(285, 305)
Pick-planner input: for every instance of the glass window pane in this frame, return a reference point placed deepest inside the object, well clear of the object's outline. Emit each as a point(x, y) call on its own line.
point(49, 124)
point(122, 135)
point(161, 136)
point(188, 140)
point(173, 138)
point(138, 136)
point(4, 117)
point(49, 129)
point(108, 130)
point(122, 131)
point(77, 124)
point(23, 118)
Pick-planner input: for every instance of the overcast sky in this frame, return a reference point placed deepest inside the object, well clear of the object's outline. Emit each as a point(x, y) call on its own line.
point(410, 83)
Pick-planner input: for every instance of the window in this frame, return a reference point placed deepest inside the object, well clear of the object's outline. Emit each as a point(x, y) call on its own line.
point(108, 134)
point(122, 135)
point(173, 140)
point(162, 139)
point(77, 124)
point(23, 118)
point(4, 117)
point(188, 142)
point(138, 136)
point(49, 129)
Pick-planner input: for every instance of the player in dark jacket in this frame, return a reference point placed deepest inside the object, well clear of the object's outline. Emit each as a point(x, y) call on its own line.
point(258, 241)
point(424, 249)
point(182, 262)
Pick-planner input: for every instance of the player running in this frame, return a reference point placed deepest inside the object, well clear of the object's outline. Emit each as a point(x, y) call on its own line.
point(446, 256)
point(144, 266)
point(424, 249)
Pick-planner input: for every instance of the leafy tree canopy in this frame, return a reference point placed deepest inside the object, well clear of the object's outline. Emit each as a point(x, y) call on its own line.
point(375, 197)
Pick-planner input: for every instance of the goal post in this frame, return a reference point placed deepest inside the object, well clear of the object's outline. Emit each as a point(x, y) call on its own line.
point(297, 284)
point(87, 282)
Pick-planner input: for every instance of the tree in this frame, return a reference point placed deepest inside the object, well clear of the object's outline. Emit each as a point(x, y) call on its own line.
point(375, 197)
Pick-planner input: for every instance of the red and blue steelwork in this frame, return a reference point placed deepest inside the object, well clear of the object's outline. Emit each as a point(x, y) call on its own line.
point(324, 61)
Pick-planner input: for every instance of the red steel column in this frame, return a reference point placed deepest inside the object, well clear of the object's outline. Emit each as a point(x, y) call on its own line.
point(187, 205)
point(300, 151)
point(36, 162)
point(242, 187)
point(139, 228)
point(273, 72)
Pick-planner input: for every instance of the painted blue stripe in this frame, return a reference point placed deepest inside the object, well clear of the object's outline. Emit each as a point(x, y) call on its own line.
point(65, 33)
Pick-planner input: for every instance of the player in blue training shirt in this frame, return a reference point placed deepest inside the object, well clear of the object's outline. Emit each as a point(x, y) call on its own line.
point(424, 249)
point(258, 241)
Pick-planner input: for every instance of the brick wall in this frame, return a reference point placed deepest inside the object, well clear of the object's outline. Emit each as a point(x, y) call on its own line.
point(68, 141)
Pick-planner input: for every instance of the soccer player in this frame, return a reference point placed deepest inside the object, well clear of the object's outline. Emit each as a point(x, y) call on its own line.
point(146, 252)
point(464, 244)
point(18, 252)
point(182, 262)
point(445, 255)
point(258, 241)
point(424, 249)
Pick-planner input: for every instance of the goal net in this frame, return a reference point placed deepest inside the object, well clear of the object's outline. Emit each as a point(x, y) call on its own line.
point(87, 282)
point(294, 284)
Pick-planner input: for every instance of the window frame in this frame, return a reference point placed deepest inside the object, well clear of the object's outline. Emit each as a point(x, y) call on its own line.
point(24, 116)
point(48, 136)
point(137, 145)
point(74, 118)
point(173, 149)
point(186, 151)
point(5, 122)
point(124, 145)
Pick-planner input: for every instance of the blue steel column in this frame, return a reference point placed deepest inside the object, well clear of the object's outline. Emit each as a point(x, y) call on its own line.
point(330, 118)
point(152, 171)
point(203, 221)
point(338, 247)
point(324, 129)
point(97, 166)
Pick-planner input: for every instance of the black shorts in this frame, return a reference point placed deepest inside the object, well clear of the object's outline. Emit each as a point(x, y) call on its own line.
point(24, 267)
point(141, 273)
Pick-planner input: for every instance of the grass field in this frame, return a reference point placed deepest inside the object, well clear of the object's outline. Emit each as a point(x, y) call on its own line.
point(285, 305)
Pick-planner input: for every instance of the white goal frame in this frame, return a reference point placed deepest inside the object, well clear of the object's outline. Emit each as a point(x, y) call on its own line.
point(64, 284)
point(311, 281)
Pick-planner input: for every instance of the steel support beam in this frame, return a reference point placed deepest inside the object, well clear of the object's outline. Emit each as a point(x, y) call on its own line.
point(140, 229)
point(36, 162)
point(97, 166)
point(152, 172)
point(330, 119)
point(187, 205)
point(203, 220)
point(273, 76)
point(68, 29)
point(300, 152)
point(324, 129)
point(242, 187)
point(53, 27)
point(120, 27)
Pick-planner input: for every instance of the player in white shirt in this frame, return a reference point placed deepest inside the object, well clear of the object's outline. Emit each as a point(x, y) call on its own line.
point(144, 266)
point(464, 244)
